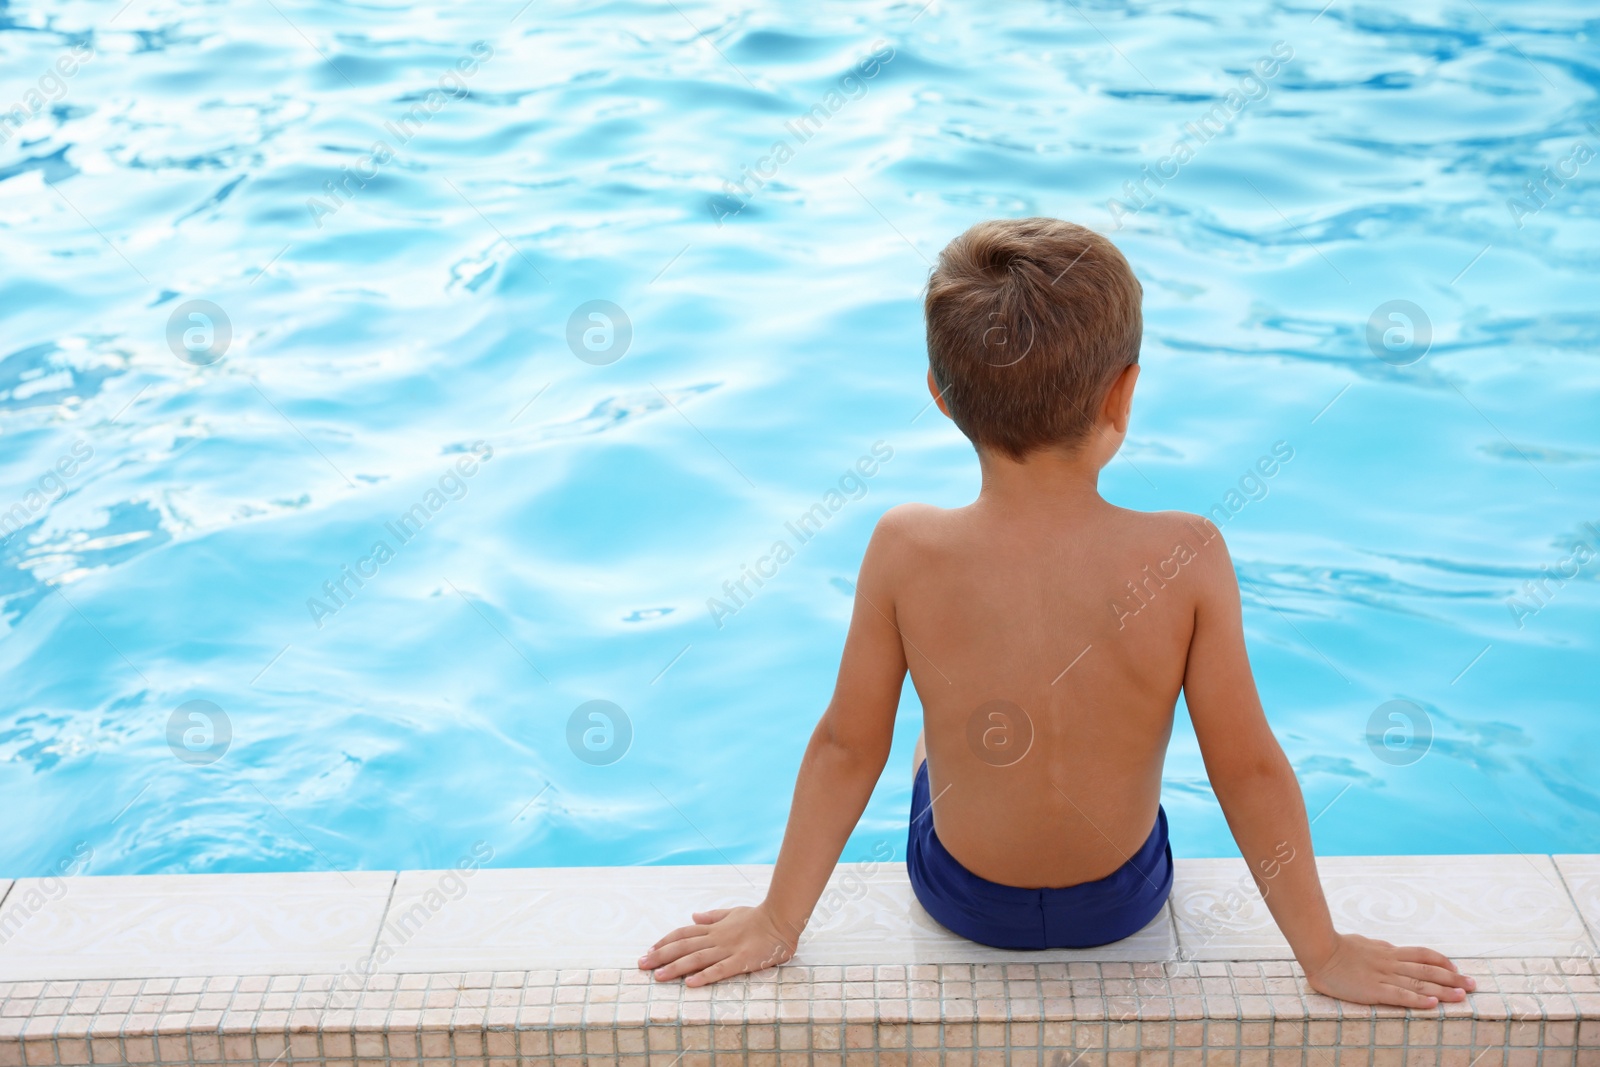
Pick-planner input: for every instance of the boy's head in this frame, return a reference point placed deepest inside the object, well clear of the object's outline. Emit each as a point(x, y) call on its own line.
point(1030, 322)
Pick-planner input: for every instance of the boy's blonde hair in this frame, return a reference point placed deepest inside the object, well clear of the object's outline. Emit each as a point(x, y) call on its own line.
point(1029, 322)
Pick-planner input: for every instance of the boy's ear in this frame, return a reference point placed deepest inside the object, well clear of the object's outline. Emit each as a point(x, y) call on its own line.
point(938, 397)
point(1118, 404)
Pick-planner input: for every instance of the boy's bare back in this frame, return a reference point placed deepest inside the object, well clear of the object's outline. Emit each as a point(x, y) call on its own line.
point(1047, 701)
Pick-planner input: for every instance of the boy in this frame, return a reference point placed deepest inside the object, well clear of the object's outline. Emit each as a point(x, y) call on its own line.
point(1047, 703)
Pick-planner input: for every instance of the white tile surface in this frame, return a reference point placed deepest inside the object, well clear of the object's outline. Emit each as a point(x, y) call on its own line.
point(608, 916)
point(1459, 905)
point(1582, 876)
point(169, 926)
point(551, 916)
point(175, 925)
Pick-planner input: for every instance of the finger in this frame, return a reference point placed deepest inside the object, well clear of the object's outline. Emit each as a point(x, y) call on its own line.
point(1439, 976)
point(679, 934)
point(1404, 998)
point(675, 951)
point(706, 918)
point(1430, 989)
point(1418, 954)
point(717, 972)
point(692, 963)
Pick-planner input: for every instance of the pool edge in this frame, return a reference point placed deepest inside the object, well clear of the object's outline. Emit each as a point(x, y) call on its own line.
point(531, 966)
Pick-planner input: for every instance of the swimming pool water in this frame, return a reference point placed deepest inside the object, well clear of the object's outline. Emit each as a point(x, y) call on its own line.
point(393, 399)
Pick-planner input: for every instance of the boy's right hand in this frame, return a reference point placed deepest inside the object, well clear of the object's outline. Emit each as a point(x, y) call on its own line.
point(721, 944)
point(1366, 971)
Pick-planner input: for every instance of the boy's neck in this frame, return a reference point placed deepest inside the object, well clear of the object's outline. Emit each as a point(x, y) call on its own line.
point(1047, 480)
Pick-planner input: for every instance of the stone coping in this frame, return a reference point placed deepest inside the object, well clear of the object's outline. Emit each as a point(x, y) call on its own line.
point(536, 966)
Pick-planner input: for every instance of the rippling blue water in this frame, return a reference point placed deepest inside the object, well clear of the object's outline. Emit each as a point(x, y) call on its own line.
point(398, 315)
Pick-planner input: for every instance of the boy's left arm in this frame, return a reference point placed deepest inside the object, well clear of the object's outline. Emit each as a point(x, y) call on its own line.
point(842, 763)
point(1260, 797)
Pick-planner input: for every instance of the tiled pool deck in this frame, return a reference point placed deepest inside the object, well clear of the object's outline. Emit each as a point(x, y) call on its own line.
point(536, 966)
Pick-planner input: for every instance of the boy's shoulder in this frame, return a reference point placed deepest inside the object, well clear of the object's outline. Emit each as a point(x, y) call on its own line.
point(910, 537)
point(1190, 543)
point(1173, 524)
point(912, 524)
point(911, 519)
point(1170, 529)
point(912, 515)
point(908, 531)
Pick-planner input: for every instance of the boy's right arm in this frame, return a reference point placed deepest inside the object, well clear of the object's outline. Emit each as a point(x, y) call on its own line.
point(1261, 800)
point(841, 766)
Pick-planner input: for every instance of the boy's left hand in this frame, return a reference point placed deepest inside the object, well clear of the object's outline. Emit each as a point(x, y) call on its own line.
point(721, 944)
point(1367, 971)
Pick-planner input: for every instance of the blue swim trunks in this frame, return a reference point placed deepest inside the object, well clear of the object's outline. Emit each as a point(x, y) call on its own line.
point(1004, 916)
